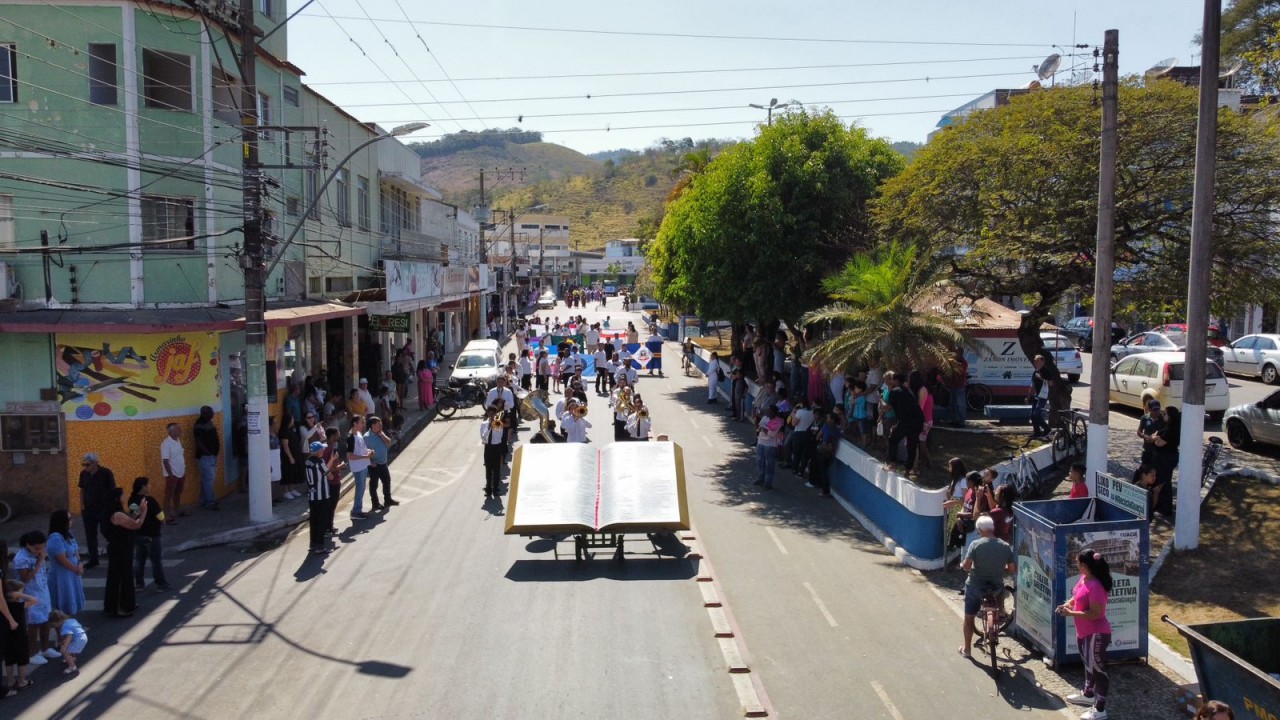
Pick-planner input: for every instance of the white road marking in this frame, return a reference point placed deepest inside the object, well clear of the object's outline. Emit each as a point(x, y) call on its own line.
point(695, 424)
point(822, 607)
point(884, 698)
point(777, 541)
point(706, 440)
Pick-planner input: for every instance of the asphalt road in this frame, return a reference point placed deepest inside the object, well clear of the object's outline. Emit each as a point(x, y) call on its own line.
point(430, 612)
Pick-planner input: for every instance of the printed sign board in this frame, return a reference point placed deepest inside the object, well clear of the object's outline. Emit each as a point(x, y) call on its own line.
point(1124, 495)
point(389, 323)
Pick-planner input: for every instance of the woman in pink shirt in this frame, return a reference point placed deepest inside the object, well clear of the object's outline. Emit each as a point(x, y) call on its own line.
point(1088, 605)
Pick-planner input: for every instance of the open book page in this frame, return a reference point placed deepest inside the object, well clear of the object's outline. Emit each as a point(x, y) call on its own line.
point(642, 487)
point(553, 487)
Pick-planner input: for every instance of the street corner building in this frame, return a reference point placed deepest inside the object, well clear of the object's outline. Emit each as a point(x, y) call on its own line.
point(123, 249)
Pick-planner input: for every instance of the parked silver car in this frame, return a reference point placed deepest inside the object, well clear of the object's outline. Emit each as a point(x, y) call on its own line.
point(1151, 341)
point(1254, 423)
point(1255, 356)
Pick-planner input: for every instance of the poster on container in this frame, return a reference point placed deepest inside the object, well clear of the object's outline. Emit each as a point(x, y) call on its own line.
point(1125, 611)
point(126, 377)
point(1033, 546)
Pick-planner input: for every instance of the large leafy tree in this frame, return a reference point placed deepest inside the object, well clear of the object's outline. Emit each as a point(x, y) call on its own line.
point(881, 312)
point(1251, 36)
point(1011, 195)
point(752, 236)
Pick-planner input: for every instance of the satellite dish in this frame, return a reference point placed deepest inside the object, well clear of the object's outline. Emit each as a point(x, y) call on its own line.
point(1231, 71)
point(1162, 68)
point(1049, 66)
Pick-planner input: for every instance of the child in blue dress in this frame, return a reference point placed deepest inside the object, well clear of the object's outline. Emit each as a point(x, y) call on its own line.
point(71, 638)
point(32, 569)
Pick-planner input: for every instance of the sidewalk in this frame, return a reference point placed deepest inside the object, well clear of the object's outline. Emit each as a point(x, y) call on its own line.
point(204, 528)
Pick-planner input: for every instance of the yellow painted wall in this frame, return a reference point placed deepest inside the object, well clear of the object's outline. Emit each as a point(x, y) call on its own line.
point(130, 449)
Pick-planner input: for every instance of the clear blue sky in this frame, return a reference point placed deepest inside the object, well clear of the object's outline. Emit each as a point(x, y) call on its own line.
point(397, 80)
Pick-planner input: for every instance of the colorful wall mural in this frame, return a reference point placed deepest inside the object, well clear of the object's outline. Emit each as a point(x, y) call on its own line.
point(127, 377)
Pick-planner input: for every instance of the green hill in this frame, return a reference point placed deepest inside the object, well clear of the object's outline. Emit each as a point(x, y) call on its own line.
point(607, 196)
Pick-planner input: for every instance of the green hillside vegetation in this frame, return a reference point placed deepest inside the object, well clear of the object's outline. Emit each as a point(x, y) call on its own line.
point(452, 164)
point(617, 199)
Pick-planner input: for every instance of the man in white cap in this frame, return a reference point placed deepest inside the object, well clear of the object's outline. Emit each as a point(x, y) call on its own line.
point(365, 395)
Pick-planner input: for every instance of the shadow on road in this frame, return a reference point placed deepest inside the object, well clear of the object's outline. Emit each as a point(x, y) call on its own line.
point(603, 567)
point(176, 621)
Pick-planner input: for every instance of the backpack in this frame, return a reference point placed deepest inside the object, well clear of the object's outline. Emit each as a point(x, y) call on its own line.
point(351, 443)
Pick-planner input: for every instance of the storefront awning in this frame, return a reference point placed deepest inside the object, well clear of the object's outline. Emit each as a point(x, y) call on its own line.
point(161, 320)
point(301, 314)
point(148, 320)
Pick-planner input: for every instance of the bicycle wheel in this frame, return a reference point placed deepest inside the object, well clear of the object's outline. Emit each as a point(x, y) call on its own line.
point(979, 396)
point(1080, 435)
point(993, 636)
point(1061, 446)
point(1008, 601)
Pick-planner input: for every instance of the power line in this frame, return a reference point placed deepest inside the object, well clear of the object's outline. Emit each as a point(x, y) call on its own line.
point(408, 67)
point(438, 64)
point(699, 36)
point(652, 93)
point(647, 73)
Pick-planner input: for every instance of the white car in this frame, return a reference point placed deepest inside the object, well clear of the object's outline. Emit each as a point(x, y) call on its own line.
point(547, 300)
point(1254, 355)
point(1254, 423)
point(1139, 379)
point(1065, 354)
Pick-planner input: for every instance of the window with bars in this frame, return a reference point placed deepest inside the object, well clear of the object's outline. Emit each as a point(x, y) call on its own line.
point(168, 223)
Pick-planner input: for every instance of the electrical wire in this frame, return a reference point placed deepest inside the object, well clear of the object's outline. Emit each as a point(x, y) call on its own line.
point(698, 91)
point(700, 36)
point(649, 73)
point(438, 63)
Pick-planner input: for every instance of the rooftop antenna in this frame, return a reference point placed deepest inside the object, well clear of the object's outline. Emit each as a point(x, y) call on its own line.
point(1046, 69)
point(1162, 68)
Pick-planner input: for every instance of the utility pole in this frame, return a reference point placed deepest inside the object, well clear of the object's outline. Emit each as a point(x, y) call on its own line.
point(542, 255)
point(1186, 531)
point(1104, 266)
point(511, 225)
point(253, 262)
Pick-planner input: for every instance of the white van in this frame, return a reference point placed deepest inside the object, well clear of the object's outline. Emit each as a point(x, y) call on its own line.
point(479, 360)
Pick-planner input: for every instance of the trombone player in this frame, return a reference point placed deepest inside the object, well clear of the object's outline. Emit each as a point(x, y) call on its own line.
point(621, 403)
point(492, 432)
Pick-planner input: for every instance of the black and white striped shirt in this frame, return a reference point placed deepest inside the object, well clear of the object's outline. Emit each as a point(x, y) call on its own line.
point(317, 479)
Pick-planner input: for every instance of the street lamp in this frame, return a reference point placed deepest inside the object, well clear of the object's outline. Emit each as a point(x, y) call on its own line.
point(256, 351)
point(773, 103)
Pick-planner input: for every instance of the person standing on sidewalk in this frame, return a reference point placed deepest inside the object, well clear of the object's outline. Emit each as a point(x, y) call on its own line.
point(207, 449)
point(379, 471)
point(97, 487)
point(173, 462)
point(906, 408)
point(66, 589)
point(768, 437)
point(317, 473)
point(1088, 605)
point(358, 459)
point(334, 463)
point(1149, 424)
point(146, 542)
point(957, 380)
point(1165, 459)
point(119, 600)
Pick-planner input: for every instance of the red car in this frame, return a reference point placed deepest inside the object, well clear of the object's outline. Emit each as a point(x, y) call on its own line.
point(1216, 337)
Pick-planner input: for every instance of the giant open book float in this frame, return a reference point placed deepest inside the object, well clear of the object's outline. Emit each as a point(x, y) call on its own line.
point(585, 490)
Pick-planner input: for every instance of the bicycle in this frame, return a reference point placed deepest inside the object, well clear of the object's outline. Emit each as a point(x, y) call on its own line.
point(1025, 477)
point(1208, 466)
point(994, 617)
point(1070, 439)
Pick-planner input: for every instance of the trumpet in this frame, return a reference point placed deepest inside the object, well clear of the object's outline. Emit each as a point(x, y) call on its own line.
point(643, 414)
point(580, 411)
point(496, 423)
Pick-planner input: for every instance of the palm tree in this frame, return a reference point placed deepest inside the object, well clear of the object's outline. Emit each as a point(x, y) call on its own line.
point(690, 165)
point(882, 313)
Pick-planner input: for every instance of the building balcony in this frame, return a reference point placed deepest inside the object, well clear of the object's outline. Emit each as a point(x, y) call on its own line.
point(409, 245)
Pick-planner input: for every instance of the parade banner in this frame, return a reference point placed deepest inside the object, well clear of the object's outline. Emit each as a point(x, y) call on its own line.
point(126, 377)
point(646, 356)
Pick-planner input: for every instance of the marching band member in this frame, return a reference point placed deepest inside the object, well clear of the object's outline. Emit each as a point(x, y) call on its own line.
point(492, 431)
point(638, 423)
point(627, 370)
point(575, 422)
point(602, 360)
point(620, 401)
point(526, 369)
point(501, 393)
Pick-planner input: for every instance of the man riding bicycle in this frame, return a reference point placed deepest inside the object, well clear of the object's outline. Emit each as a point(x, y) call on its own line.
point(987, 560)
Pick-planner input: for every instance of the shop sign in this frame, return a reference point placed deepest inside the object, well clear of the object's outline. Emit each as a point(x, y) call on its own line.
point(390, 323)
point(128, 376)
